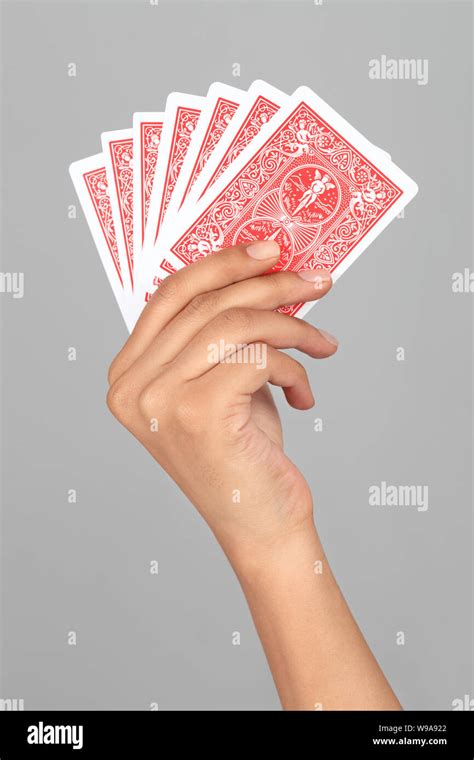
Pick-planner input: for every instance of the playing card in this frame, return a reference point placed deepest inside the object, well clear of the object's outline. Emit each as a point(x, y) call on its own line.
point(90, 181)
point(147, 130)
point(167, 267)
point(308, 180)
point(260, 103)
point(117, 147)
point(257, 106)
point(222, 103)
point(181, 116)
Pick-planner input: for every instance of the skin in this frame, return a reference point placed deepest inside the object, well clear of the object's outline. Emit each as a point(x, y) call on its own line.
point(213, 426)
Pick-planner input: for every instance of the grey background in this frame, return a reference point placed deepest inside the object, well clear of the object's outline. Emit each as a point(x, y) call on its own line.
point(85, 567)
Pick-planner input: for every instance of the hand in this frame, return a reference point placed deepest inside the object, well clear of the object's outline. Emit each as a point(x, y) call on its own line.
point(208, 417)
point(210, 421)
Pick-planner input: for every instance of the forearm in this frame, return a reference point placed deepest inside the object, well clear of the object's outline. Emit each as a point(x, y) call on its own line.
point(317, 654)
point(220, 439)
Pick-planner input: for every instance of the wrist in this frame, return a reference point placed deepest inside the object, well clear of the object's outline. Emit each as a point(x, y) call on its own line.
point(286, 552)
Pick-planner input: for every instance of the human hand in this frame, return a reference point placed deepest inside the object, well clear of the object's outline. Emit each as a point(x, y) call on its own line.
point(207, 416)
point(210, 421)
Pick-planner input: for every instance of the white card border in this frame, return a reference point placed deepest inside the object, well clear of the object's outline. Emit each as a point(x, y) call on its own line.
point(374, 154)
point(77, 170)
point(216, 90)
point(174, 101)
point(139, 118)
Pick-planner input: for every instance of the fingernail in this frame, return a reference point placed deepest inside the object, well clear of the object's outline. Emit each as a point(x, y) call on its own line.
point(320, 277)
point(263, 249)
point(330, 338)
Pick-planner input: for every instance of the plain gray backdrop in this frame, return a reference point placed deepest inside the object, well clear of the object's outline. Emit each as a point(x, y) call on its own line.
point(85, 567)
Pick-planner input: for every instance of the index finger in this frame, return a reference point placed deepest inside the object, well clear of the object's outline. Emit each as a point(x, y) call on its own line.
point(177, 290)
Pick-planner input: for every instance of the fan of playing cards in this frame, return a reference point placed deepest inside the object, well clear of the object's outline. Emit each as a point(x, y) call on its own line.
point(231, 167)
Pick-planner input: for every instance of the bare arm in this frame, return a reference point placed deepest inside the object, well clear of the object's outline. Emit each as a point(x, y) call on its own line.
point(191, 384)
point(318, 656)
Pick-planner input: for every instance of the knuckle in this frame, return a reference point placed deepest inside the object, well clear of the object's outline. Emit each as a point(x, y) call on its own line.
point(277, 284)
point(237, 317)
point(154, 399)
point(168, 289)
point(148, 401)
point(120, 398)
point(203, 303)
point(300, 371)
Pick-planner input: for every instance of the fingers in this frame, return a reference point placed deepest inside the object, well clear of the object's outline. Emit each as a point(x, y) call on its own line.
point(176, 291)
point(269, 292)
point(233, 328)
point(249, 369)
